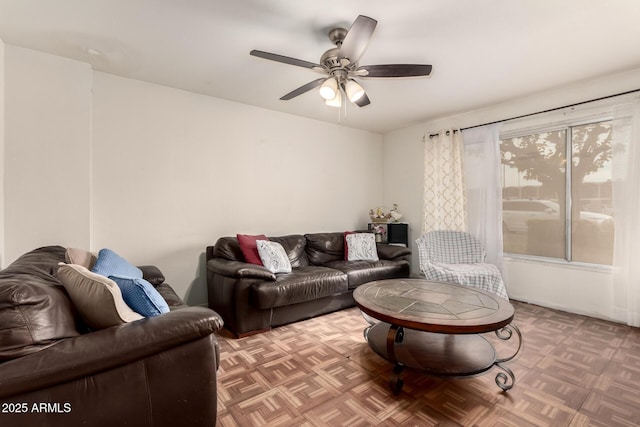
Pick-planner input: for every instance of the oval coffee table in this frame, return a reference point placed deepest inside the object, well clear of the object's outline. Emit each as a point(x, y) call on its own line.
point(434, 327)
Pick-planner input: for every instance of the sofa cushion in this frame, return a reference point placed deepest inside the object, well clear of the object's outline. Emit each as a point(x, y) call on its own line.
point(361, 247)
point(97, 298)
point(359, 272)
point(141, 296)
point(325, 247)
point(35, 310)
point(301, 285)
point(228, 248)
point(110, 263)
point(248, 247)
point(294, 245)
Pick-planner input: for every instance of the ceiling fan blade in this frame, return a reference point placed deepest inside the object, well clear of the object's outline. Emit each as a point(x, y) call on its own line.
point(283, 59)
point(393, 70)
point(357, 38)
point(363, 101)
point(303, 89)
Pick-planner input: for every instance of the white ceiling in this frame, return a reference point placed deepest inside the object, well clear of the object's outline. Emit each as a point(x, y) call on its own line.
point(482, 51)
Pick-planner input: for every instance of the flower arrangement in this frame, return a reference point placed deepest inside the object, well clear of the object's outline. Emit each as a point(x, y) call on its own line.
point(379, 214)
point(379, 229)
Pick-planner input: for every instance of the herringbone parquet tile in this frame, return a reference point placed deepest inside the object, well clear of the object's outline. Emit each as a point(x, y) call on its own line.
point(572, 371)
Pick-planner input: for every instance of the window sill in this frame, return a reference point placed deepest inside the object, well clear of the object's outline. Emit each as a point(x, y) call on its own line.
point(554, 262)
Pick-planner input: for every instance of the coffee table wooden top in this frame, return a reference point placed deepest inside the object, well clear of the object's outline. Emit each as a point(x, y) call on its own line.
point(433, 306)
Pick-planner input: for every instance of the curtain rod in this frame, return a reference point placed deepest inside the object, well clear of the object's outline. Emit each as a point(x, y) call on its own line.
point(544, 111)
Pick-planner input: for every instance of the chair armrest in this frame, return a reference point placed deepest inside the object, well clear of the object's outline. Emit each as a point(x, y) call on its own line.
point(239, 269)
point(89, 354)
point(386, 251)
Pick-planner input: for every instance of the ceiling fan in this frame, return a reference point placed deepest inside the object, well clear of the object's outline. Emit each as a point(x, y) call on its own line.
point(341, 65)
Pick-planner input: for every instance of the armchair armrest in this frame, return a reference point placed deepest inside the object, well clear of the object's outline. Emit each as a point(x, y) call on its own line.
point(239, 269)
point(89, 354)
point(386, 251)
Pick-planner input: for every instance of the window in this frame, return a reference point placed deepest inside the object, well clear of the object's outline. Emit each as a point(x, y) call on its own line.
point(555, 208)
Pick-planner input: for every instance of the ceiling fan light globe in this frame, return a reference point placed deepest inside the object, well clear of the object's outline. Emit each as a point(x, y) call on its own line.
point(354, 90)
point(329, 89)
point(335, 101)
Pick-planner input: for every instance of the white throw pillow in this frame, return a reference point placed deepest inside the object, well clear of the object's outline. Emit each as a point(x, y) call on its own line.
point(273, 256)
point(361, 247)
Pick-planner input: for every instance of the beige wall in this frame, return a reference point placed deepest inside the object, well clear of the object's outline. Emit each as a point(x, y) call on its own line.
point(46, 164)
point(94, 160)
point(157, 174)
point(580, 290)
point(173, 171)
point(2, 167)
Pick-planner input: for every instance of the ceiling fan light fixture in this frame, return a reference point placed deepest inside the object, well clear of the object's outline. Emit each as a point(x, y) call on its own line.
point(339, 66)
point(329, 89)
point(336, 101)
point(354, 90)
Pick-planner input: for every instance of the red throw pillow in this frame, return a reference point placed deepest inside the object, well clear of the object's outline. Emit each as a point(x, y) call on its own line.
point(248, 247)
point(346, 248)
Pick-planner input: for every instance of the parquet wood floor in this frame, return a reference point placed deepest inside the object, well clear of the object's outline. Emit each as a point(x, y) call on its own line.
point(572, 371)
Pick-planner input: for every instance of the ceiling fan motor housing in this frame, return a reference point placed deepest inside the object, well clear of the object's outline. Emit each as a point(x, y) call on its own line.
point(331, 58)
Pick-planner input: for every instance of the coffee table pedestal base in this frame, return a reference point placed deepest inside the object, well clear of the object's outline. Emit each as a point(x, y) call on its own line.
point(437, 354)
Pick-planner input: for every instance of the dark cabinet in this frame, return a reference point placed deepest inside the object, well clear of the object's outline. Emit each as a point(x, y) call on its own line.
point(394, 233)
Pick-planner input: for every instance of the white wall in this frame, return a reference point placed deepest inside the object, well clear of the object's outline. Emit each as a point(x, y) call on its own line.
point(46, 163)
point(403, 170)
point(157, 174)
point(580, 290)
point(2, 168)
point(172, 171)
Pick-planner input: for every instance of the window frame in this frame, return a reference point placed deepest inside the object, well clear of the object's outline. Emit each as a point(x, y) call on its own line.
point(567, 125)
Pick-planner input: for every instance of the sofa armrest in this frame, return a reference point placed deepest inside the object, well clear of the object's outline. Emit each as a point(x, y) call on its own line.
point(89, 354)
point(239, 269)
point(386, 251)
point(152, 274)
point(169, 295)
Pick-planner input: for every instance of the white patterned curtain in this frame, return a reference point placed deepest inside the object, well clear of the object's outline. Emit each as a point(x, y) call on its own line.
point(484, 188)
point(626, 212)
point(444, 195)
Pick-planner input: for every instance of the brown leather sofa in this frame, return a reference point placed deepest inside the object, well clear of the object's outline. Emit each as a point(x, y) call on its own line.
point(251, 299)
point(54, 371)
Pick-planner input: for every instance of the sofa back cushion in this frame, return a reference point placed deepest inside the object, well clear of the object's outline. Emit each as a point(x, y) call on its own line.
point(294, 245)
point(35, 310)
point(325, 247)
point(228, 248)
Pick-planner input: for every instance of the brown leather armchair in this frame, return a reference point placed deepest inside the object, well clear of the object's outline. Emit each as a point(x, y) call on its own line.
point(54, 371)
